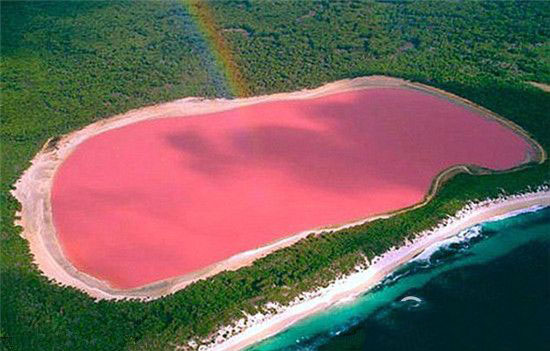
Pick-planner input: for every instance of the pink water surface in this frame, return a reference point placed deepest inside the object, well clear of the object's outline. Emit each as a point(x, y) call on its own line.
point(167, 197)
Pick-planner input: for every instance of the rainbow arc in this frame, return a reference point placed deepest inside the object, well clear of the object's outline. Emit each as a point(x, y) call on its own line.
point(202, 15)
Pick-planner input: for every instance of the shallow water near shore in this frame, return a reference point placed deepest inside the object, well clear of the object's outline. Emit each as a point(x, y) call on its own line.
point(487, 288)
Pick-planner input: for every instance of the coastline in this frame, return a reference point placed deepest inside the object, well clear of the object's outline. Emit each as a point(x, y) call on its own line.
point(34, 187)
point(247, 332)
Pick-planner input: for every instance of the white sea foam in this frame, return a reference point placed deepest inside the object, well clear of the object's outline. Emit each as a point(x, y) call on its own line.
point(463, 236)
point(411, 298)
point(469, 234)
point(416, 301)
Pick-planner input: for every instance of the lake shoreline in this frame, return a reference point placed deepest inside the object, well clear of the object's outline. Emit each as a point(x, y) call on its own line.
point(33, 189)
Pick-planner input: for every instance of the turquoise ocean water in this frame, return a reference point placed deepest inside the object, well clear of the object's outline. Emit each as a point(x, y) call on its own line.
point(487, 289)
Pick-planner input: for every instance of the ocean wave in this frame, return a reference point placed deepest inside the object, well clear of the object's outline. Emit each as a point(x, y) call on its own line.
point(412, 301)
point(443, 251)
point(455, 243)
point(313, 342)
point(449, 249)
point(394, 277)
point(411, 298)
point(434, 255)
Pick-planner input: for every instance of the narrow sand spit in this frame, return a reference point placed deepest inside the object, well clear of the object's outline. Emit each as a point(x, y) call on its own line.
point(258, 327)
point(33, 189)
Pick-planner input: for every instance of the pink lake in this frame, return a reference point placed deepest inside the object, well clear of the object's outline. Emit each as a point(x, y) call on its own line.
point(167, 197)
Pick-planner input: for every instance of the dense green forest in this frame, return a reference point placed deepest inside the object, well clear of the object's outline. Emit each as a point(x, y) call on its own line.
point(65, 64)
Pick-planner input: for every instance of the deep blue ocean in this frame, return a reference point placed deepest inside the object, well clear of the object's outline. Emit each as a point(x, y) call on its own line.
point(488, 289)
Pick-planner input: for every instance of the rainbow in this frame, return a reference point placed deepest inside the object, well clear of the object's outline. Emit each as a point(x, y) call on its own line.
point(219, 47)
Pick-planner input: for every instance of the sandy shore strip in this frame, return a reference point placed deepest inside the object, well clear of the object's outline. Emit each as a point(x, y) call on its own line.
point(33, 189)
point(248, 331)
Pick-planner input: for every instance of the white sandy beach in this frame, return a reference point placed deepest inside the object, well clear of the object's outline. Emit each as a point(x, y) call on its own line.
point(249, 331)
